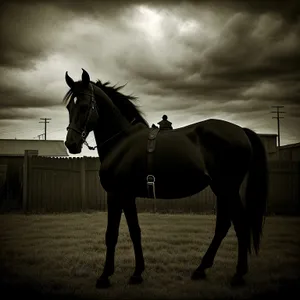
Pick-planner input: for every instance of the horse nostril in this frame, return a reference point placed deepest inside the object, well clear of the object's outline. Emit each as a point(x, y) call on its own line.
point(70, 144)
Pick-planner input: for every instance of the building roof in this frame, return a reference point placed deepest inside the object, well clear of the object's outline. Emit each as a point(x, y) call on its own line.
point(9, 147)
point(295, 145)
point(267, 134)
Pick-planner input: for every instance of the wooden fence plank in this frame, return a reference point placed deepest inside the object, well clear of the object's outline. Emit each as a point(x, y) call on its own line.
point(83, 184)
point(73, 184)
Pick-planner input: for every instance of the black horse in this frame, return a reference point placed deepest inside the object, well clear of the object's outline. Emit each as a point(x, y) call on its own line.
point(186, 160)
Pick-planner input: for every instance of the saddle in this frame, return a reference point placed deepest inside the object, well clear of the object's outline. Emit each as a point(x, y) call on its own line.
point(150, 164)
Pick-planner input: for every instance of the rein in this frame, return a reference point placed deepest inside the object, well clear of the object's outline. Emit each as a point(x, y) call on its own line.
point(112, 137)
point(90, 147)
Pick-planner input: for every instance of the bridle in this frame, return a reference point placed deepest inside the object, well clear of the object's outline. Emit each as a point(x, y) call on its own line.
point(83, 133)
point(93, 107)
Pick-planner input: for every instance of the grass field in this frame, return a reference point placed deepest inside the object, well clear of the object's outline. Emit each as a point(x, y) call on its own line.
point(63, 255)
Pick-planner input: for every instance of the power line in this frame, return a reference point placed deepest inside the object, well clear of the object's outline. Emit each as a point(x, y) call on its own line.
point(278, 117)
point(40, 135)
point(58, 130)
point(45, 121)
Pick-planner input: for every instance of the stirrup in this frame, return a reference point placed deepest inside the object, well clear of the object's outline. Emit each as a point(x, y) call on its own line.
point(151, 185)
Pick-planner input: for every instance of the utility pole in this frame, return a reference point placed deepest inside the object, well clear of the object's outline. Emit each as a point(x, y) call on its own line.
point(278, 117)
point(45, 121)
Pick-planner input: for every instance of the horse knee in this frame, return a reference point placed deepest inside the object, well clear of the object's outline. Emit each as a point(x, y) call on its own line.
point(241, 227)
point(222, 229)
point(111, 238)
point(135, 234)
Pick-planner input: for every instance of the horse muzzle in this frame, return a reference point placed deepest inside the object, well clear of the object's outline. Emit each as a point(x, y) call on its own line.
point(73, 147)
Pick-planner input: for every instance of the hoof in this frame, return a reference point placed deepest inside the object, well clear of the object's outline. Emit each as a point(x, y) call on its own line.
point(198, 274)
point(237, 281)
point(135, 280)
point(103, 283)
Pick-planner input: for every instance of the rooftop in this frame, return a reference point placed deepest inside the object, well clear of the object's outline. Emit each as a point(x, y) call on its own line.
point(267, 134)
point(295, 145)
point(14, 147)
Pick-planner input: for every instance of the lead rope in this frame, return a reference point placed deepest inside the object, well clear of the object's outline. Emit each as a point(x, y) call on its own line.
point(90, 147)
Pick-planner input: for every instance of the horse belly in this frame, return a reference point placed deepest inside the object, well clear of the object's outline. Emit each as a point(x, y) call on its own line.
point(178, 167)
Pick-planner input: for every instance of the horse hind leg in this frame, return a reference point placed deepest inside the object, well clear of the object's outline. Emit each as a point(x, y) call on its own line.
point(239, 220)
point(223, 224)
point(229, 208)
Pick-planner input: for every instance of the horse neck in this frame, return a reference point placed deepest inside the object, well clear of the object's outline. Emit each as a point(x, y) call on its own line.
point(111, 125)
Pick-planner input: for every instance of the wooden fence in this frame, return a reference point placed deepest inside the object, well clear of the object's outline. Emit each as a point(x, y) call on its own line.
point(72, 184)
point(59, 184)
point(284, 187)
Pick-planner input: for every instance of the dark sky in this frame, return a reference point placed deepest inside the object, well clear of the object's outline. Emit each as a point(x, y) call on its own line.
point(223, 59)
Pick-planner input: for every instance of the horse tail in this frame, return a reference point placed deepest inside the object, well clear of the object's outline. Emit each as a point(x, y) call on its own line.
point(256, 190)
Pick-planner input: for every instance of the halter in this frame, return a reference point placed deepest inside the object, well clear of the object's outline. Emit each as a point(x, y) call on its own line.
point(83, 132)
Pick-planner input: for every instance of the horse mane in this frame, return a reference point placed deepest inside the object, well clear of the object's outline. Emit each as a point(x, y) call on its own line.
point(123, 102)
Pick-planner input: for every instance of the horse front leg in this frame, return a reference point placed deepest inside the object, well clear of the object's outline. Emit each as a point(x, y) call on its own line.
point(130, 212)
point(114, 212)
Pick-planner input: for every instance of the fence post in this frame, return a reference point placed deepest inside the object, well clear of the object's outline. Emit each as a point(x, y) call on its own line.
point(82, 183)
point(26, 179)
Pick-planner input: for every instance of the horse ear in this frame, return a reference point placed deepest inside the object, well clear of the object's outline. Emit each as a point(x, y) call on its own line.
point(69, 80)
point(85, 77)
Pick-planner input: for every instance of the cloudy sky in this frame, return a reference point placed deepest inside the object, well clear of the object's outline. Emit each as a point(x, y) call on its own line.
point(190, 60)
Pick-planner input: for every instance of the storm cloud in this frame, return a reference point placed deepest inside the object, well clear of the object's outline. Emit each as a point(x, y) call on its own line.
point(192, 60)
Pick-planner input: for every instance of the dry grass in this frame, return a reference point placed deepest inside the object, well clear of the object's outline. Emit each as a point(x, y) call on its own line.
point(64, 254)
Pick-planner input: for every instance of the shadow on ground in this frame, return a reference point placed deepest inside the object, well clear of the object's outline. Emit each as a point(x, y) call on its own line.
point(21, 290)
